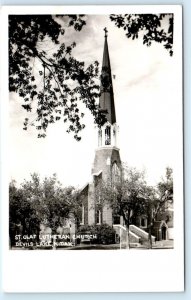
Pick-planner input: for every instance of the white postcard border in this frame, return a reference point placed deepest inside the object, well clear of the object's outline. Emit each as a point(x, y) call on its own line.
point(94, 271)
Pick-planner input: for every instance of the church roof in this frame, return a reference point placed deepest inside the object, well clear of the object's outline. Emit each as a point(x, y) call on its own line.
point(106, 101)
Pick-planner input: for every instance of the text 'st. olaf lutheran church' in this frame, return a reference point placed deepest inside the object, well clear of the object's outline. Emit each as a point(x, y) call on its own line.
point(107, 162)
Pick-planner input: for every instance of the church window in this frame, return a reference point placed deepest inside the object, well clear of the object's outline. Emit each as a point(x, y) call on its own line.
point(98, 216)
point(115, 173)
point(82, 216)
point(108, 135)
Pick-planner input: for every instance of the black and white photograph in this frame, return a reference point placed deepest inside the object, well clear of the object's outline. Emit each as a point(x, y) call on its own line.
point(94, 143)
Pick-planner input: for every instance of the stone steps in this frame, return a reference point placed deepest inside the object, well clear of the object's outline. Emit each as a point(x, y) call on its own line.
point(137, 235)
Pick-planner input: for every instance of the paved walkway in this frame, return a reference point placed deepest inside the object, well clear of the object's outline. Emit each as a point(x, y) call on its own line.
point(165, 244)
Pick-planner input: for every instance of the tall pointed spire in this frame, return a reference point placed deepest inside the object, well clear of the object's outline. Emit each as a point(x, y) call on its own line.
point(107, 98)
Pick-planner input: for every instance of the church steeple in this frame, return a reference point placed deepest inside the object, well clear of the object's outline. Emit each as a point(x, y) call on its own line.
point(106, 101)
point(107, 135)
point(107, 162)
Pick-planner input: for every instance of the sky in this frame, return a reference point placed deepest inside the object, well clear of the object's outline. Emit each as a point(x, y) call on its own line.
point(147, 102)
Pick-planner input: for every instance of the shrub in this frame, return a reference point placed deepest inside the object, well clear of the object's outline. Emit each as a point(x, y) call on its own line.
point(105, 233)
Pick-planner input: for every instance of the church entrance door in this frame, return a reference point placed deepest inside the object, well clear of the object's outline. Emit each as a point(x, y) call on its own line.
point(163, 231)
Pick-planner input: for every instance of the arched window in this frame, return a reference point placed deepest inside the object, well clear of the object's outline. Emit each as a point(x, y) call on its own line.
point(108, 135)
point(115, 173)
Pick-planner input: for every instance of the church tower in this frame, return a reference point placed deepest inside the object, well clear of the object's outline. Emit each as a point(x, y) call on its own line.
point(107, 162)
point(107, 159)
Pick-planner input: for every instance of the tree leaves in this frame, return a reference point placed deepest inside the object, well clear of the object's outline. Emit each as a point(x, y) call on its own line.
point(53, 80)
point(132, 196)
point(53, 83)
point(165, 187)
point(45, 200)
point(150, 25)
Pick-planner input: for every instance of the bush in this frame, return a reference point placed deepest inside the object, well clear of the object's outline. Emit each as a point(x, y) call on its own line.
point(105, 233)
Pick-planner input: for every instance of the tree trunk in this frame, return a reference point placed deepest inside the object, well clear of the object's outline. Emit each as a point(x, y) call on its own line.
point(126, 219)
point(150, 236)
point(127, 238)
point(150, 220)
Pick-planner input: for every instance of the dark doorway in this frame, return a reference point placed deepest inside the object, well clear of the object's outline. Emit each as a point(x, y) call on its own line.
point(116, 220)
point(163, 231)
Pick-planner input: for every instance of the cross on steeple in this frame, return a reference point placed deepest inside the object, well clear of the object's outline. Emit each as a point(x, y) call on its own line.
point(106, 31)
